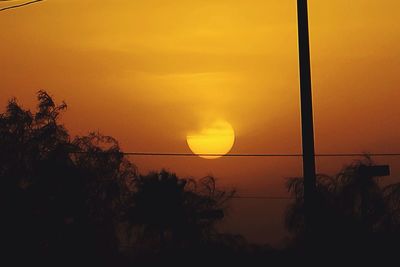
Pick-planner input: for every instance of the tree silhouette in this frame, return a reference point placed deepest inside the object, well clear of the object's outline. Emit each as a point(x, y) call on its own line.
point(79, 199)
point(54, 201)
point(354, 212)
point(177, 211)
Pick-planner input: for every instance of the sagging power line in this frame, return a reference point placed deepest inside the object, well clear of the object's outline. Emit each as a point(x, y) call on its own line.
point(160, 154)
point(18, 5)
point(263, 197)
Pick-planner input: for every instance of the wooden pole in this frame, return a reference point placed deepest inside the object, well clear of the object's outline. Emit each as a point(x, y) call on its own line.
point(306, 115)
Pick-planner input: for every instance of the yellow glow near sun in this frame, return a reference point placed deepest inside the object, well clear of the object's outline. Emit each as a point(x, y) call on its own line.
point(217, 138)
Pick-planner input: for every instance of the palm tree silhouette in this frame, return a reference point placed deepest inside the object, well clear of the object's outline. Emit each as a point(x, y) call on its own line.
point(354, 212)
point(174, 211)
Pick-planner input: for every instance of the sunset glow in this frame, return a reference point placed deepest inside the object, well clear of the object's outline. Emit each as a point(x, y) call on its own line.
point(212, 77)
point(217, 139)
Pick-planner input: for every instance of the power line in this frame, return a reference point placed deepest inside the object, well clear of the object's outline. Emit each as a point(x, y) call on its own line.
point(206, 155)
point(159, 154)
point(19, 5)
point(263, 197)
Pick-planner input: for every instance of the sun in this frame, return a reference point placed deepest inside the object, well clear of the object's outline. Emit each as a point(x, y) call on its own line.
point(213, 141)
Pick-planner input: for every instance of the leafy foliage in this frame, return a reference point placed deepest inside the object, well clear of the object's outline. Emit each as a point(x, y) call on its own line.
point(353, 211)
point(78, 198)
point(184, 209)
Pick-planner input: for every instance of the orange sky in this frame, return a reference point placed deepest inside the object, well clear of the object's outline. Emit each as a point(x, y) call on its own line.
point(148, 72)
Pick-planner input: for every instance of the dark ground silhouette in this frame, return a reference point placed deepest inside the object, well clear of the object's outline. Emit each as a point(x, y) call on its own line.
point(79, 201)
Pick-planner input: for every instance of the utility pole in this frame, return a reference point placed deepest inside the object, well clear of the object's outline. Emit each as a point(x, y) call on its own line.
point(307, 125)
